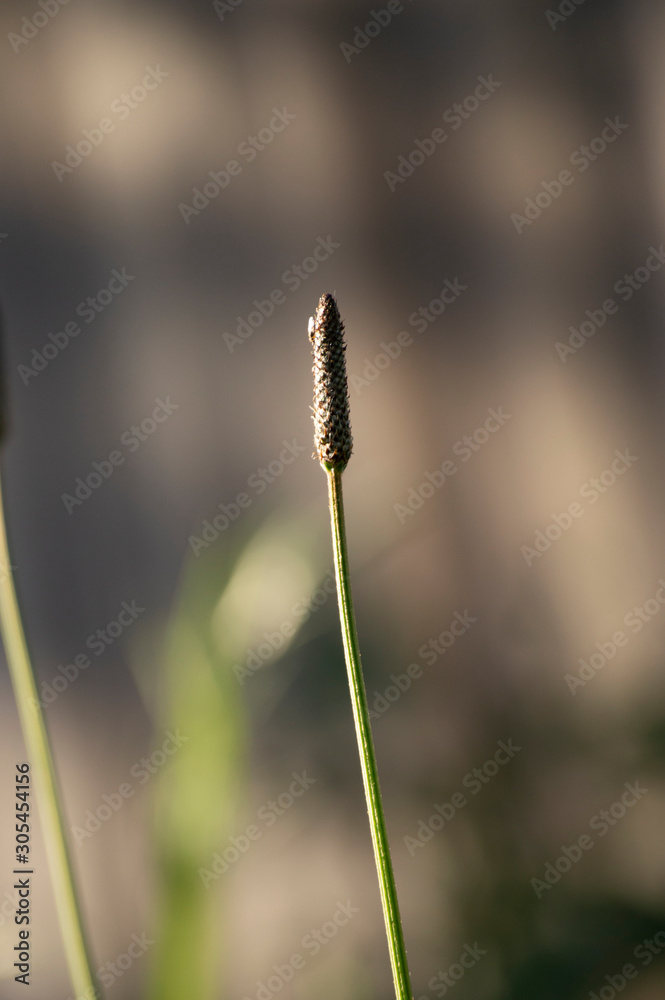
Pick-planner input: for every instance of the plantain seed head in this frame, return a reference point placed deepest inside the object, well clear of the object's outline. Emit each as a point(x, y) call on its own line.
point(332, 426)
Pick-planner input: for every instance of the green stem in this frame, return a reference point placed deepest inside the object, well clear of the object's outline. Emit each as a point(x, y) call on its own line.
point(370, 774)
point(39, 753)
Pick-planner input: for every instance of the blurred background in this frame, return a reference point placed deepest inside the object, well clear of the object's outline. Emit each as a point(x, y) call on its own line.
point(481, 185)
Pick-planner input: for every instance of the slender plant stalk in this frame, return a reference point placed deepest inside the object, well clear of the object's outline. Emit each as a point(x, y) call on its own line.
point(369, 769)
point(333, 441)
point(43, 771)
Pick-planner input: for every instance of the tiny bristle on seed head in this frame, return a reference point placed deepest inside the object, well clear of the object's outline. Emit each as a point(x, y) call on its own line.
point(332, 426)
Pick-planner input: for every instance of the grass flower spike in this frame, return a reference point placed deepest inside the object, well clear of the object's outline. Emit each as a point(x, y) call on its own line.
point(332, 426)
point(333, 442)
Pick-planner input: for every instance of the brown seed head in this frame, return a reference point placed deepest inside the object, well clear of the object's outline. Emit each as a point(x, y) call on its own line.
point(332, 427)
